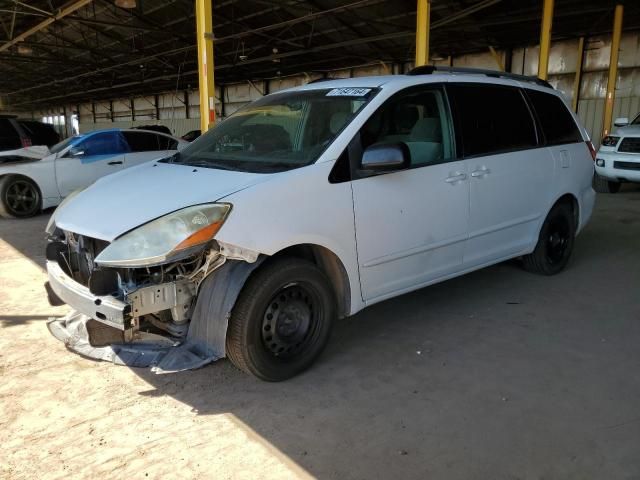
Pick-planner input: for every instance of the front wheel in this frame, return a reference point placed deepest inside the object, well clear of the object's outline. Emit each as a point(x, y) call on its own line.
point(602, 185)
point(555, 242)
point(282, 320)
point(19, 197)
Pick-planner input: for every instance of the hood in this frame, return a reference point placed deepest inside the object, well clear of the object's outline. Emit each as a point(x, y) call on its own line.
point(24, 155)
point(125, 200)
point(629, 130)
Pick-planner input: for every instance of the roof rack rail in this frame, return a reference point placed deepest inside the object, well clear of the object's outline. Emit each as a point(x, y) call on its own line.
point(430, 69)
point(324, 79)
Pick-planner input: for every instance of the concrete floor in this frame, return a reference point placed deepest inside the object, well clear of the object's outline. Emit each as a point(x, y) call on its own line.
point(499, 374)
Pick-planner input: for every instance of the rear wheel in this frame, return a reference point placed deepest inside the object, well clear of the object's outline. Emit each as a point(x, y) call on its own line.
point(19, 197)
point(555, 242)
point(602, 185)
point(282, 320)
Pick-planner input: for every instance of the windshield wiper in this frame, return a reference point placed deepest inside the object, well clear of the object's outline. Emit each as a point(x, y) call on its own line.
point(175, 158)
point(208, 164)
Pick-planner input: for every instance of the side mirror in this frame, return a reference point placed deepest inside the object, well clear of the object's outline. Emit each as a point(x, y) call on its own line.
point(74, 152)
point(621, 122)
point(386, 157)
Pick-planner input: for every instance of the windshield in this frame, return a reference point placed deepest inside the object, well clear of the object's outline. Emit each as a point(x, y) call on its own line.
point(58, 147)
point(636, 121)
point(278, 132)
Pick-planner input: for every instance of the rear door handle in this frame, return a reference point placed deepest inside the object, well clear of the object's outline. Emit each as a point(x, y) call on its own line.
point(480, 172)
point(456, 177)
point(118, 162)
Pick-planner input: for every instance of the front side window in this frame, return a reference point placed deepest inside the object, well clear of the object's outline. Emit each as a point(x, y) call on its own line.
point(558, 126)
point(491, 119)
point(105, 143)
point(278, 132)
point(419, 118)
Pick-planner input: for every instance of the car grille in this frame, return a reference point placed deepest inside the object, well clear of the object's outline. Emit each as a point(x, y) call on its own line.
point(630, 145)
point(626, 165)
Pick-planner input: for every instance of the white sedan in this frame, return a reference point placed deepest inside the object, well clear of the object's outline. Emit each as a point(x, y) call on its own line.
point(32, 179)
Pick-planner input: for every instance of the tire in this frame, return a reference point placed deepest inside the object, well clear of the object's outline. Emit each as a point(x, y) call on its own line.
point(282, 320)
point(602, 185)
point(555, 242)
point(19, 197)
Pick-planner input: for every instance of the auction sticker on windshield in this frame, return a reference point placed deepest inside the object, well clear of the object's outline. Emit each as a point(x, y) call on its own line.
point(348, 92)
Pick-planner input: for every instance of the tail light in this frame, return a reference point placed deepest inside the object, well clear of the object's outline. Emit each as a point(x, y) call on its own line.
point(592, 150)
point(26, 142)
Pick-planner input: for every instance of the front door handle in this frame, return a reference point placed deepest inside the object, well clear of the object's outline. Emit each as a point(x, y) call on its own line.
point(456, 177)
point(117, 162)
point(480, 172)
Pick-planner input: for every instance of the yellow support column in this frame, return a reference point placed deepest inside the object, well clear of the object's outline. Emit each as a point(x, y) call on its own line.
point(204, 32)
point(578, 77)
point(613, 70)
point(497, 57)
point(422, 32)
point(545, 39)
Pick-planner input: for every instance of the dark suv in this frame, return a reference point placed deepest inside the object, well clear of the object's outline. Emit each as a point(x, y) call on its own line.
point(16, 133)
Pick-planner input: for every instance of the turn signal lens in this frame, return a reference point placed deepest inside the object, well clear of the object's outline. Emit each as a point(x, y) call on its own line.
point(201, 236)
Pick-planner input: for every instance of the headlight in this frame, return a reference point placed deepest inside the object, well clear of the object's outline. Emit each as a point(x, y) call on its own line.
point(51, 224)
point(170, 237)
point(610, 141)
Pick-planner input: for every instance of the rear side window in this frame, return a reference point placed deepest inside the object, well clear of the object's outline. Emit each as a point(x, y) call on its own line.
point(167, 143)
point(491, 119)
point(142, 141)
point(556, 122)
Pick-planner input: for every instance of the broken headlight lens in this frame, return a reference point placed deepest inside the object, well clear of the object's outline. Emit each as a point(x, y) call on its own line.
point(173, 236)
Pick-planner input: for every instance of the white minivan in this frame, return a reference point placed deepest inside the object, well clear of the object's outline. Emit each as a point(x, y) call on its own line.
point(309, 205)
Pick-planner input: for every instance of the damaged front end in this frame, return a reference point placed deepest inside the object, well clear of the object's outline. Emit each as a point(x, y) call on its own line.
point(167, 308)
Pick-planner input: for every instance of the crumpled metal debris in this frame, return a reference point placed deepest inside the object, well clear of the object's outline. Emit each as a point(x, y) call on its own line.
point(147, 350)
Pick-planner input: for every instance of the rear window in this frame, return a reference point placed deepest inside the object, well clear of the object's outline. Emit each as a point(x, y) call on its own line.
point(491, 119)
point(556, 122)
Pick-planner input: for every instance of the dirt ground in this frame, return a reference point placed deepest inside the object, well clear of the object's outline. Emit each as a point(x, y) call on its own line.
point(499, 374)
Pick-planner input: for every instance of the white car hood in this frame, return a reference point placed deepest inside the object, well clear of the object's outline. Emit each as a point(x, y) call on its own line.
point(35, 152)
point(122, 201)
point(629, 130)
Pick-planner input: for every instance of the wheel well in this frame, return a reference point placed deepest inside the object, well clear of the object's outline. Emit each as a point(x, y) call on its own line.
point(331, 266)
point(20, 175)
point(571, 201)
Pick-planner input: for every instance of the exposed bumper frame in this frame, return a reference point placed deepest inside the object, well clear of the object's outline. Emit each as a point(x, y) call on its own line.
point(105, 309)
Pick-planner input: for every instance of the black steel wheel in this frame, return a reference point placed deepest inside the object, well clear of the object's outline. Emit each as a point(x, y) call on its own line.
point(558, 238)
point(19, 197)
point(555, 242)
point(288, 323)
point(282, 319)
